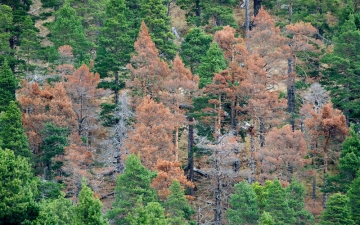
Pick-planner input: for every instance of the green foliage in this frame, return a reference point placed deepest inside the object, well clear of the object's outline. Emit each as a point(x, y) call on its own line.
point(135, 182)
point(6, 22)
point(54, 141)
point(154, 14)
point(337, 211)
point(262, 192)
point(58, 211)
point(349, 164)
point(195, 45)
point(8, 84)
point(211, 63)
point(18, 187)
point(354, 197)
point(88, 210)
point(342, 75)
point(12, 134)
point(177, 207)
point(266, 219)
point(277, 205)
point(296, 201)
point(152, 213)
point(244, 208)
point(67, 30)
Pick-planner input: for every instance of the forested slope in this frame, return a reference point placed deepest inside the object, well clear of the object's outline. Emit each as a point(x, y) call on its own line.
point(179, 112)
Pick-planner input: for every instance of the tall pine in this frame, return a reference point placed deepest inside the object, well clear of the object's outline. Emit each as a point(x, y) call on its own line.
point(337, 211)
point(8, 85)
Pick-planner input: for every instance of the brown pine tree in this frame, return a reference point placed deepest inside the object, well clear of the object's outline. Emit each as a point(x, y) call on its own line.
point(148, 72)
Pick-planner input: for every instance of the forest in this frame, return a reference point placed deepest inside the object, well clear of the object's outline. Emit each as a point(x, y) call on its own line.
point(179, 112)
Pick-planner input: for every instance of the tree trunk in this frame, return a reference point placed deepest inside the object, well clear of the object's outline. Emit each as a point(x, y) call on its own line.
point(247, 18)
point(314, 187)
point(198, 9)
point(116, 91)
point(252, 158)
point(233, 117)
point(176, 143)
point(257, 6)
point(291, 91)
point(290, 11)
point(262, 131)
point(218, 206)
point(191, 154)
point(325, 196)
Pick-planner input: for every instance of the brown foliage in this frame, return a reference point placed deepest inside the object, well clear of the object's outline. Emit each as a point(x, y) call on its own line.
point(147, 70)
point(167, 173)
point(283, 154)
point(152, 133)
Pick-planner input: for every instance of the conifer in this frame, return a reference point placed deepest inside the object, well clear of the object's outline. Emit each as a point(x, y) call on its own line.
point(8, 84)
point(337, 211)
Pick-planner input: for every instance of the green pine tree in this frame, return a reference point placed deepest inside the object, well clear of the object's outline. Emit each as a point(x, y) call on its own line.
point(152, 213)
point(59, 211)
point(349, 164)
point(67, 30)
point(115, 46)
point(154, 14)
point(245, 209)
point(8, 84)
point(54, 140)
point(337, 211)
point(211, 63)
point(12, 134)
point(342, 75)
point(262, 192)
point(195, 45)
point(29, 42)
point(177, 207)
point(18, 188)
point(354, 196)
point(6, 23)
point(277, 205)
point(296, 201)
point(266, 219)
point(135, 182)
point(88, 210)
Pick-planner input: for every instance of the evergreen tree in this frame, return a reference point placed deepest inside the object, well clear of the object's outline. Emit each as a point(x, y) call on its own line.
point(354, 196)
point(266, 219)
point(54, 140)
point(12, 134)
point(176, 205)
point(262, 192)
point(211, 63)
point(115, 46)
point(349, 164)
point(337, 211)
point(195, 45)
point(6, 22)
point(244, 209)
point(154, 14)
point(18, 189)
point(296, 201)
point(88, 210)
point(8, 85)
point(135, 182)
point(152, 213)
point(342, 76)
point(29, 42)
point(59, 211)
point(67, 30)
point(277, 205)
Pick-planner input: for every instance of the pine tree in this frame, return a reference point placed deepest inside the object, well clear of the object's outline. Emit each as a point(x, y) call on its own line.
point(8, 84)
point(29, 42)
point(135, 182)
point(115, 46)
point(154, 13)
point(342, 75)
point(88, 210)
point(277, 205)
point(12, 134)
point(212, 62)
point(266, 219)
point(354, 196)
point(337, 211)
point(245, 209)
point(177, 206)
point(296, 201)
point(58, 211)
point(195, 45)
point(67, 30)
point(262, 193)
point(6, 23)
point(18, 189)
point(152, 213)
